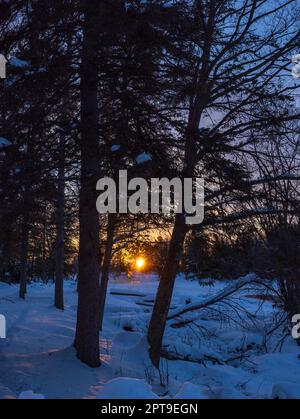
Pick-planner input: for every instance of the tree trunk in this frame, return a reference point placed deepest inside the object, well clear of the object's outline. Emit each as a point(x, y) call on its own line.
point(24, 255)
point(106, 265)
point(44, 250)
point(60, 223)
point(5, 251)
point(165, 289)
point(87, 329)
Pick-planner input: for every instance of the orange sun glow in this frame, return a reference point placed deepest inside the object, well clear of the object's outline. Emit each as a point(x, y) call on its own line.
point(140, 262)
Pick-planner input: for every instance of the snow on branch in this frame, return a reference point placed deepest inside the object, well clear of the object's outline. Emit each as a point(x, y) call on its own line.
point(269, 179)
point(4, 142)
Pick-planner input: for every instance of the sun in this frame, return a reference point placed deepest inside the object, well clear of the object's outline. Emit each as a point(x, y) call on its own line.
point(140, 263)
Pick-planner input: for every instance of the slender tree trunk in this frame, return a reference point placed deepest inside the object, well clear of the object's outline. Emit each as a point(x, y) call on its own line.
point(106, 265)
point(60, 224)
point(162, 303)
point(165, 290)
point(24, 255)
point(44, 252)
point(6, 246)
point(87, 329)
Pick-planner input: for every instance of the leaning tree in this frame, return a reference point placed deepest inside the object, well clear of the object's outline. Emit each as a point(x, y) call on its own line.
point(227, 58)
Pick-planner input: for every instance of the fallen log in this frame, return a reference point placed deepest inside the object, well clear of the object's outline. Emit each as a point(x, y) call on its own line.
point(221, 295)
point(147, 303)
point(171, 356)
point(127, 293)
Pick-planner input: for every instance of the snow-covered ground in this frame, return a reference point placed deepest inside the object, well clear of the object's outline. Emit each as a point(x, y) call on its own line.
point(225, 352)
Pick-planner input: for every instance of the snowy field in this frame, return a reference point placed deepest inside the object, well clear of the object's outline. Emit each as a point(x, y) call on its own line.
point(226, 351)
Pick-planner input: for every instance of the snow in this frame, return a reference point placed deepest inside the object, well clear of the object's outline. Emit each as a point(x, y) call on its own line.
point(115, 147)
point(191, 391)
point(296, 71)
point(296, 58)
point(4, 142)
point(126, 388)
point(16, 62)
point(143, 158)
point(286, 391)
point(5, 393)
point(25, 395)
point(296, 68)
point(225, 352)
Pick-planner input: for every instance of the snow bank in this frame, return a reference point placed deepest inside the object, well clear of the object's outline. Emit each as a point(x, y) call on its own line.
point(126, 388)
point(215, 358)
point(6, 393)
point(286, 391)
point(25, 395)
point(192, 391)
point(4, 287)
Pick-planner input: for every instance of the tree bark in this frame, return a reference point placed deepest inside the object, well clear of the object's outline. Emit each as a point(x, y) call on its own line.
point(44, 249)
point(5, 250)
point(24, 255)
point(87, 329)
point(60, 224)
point(165, 290)
point(106, 265)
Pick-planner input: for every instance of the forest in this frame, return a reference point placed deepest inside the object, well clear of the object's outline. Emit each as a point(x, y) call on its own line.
point(136, 293)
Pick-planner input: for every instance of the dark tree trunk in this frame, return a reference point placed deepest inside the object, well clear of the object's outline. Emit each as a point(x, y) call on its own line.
point(165, 289)
point(87, 329)
point(24, 255)
point(5, 251)
point(162, 303)
point(44, 250)
point(106, 265)
point(60, 223)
